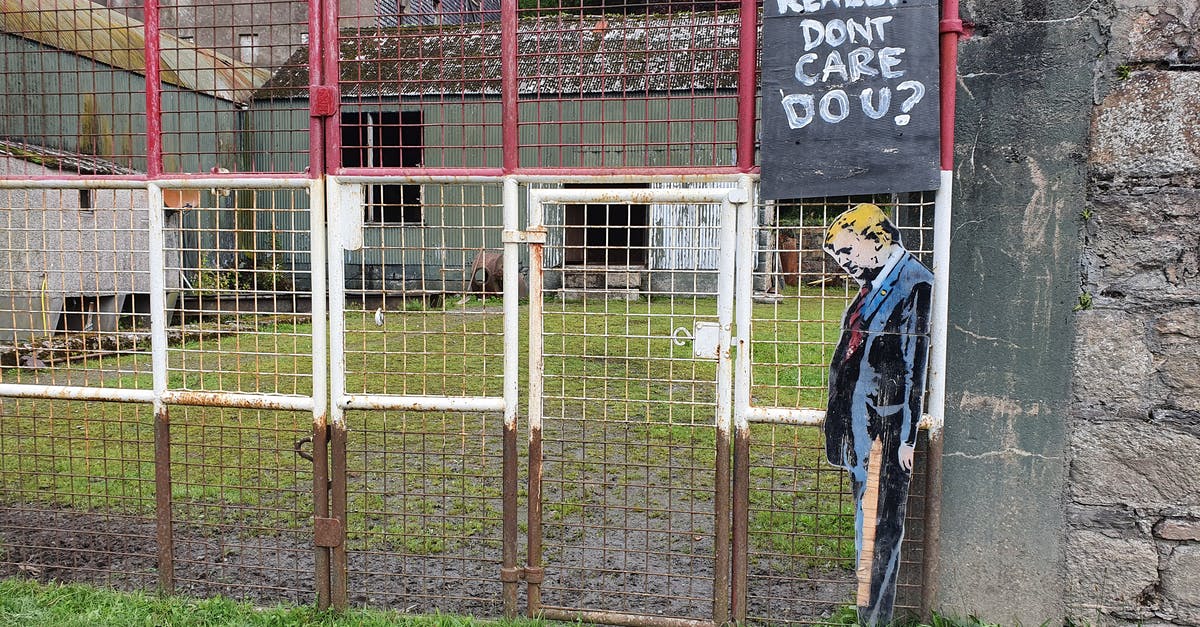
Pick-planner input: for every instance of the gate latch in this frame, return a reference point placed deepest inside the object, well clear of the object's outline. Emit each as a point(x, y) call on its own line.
point(324, 99)
point(328, 532)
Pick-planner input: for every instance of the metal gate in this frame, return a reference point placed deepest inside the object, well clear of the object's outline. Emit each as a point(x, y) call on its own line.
point(630, 406)
point(276, 315)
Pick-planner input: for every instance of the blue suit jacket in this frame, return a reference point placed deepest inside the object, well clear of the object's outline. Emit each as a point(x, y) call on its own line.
point(881, 386)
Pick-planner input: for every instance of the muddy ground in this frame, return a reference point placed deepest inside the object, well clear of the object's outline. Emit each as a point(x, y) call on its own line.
point(120, 552)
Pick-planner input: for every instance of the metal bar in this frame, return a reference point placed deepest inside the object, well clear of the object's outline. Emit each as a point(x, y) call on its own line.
point(162, 499)
point(338, 560)
point(643, 171)
point(78, 393)
point(231, 181)
point(490, 174)
point(537, 369)
point(330, 40)
point(619, 618)
point(320, 372)
point(937, 389)
point(747, 225)
point(512, 379)
point(679, 195)
point(805, 417)
point(316, 76)
point(153, 57)
point(422, 403)
point(747, 83)
point(392, 179)
point(162, 422)
point(510, 115)
point(558, 179)
point(726, 281)
point(239, 400)
point(338, 564)
point(75, 182)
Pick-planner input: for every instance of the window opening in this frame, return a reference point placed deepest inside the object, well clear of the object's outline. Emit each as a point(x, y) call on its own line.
point(387, 139)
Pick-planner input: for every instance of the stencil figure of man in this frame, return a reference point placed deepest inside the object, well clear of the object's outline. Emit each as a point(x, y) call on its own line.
point(876, 390)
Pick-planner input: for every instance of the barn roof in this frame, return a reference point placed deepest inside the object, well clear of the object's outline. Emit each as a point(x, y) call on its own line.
point(93, 31)
point(63, 160)
point(560, 54)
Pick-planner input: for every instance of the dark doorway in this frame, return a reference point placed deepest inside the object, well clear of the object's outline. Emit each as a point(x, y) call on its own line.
point(612, 234)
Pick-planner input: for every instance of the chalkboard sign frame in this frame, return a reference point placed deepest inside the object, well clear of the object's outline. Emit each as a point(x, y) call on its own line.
point(850, 98)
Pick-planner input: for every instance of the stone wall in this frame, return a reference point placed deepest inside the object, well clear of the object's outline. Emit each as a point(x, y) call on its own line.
point(1133, 501)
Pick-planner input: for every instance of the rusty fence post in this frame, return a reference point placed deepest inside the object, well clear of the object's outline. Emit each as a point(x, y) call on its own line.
point(162, 492)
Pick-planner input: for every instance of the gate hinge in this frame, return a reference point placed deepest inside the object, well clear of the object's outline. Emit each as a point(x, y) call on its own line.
point(511, 575)
point(323, 99)
point(532, 236)
point(534, 574)
point(328, 532)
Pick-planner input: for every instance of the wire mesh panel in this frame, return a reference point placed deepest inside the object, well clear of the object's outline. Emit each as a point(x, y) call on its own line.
point(424, 318)
point(801, 552)
point(616, 84)
point(629, 422)
point(226, 100)
point(801, 510)
point(75, 287)
point(241, 504)
point(420, 84)
point(77, 492)
point(424, 511)
point(241, 308)
point(72, 89)
point(423, 310)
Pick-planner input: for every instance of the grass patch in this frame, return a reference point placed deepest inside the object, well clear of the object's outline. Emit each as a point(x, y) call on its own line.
point(32, 604)
point(613, 367)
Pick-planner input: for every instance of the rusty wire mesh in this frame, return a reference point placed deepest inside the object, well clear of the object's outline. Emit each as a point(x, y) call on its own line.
point(423, 317)
point(629, 432)
point(801, 518)
point(77, 480)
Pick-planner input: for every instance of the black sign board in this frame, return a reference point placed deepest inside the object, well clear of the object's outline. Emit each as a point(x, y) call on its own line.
point(849, 97)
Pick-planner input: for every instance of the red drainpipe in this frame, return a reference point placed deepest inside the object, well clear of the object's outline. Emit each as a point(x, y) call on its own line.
point(952, 29)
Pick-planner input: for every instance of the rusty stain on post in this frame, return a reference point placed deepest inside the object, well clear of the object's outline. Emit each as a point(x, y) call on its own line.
point(338, 567)
point(162, 493)
point(320, 460)
point(933, 524)
point(741, 520)
point(509, 558)
point(721, 534)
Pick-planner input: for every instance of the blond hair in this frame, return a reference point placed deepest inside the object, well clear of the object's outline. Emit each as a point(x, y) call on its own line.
point(867, 221)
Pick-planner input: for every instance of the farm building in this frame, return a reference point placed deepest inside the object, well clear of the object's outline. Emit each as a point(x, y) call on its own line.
point(429, 97)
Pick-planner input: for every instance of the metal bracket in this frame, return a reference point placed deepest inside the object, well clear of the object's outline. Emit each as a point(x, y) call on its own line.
point(532, 236)
point(534, 574)
point(324, 99)
point(328, 532)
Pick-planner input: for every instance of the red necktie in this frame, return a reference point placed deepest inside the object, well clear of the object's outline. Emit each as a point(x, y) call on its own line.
point(854, 324)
